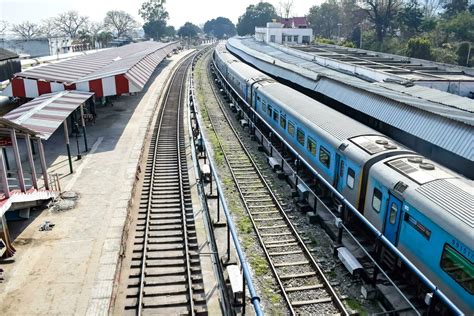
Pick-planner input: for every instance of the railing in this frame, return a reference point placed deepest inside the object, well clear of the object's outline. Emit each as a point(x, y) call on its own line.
point(231, 231)
point(54, 183)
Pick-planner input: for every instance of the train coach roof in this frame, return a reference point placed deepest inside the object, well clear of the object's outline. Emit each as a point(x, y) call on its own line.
point(442, 195)
point(315, 113)
point(246, 72)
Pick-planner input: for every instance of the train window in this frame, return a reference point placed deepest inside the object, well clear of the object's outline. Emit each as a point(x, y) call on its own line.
point(311, 146)
point(350, 178)
point(458, 267)
point(300, 136)
point(377, 200)
point(324, 156)
point(283, 121)
point(275, 116)
point(393, 213)
point(291, 128)
point(269, 110)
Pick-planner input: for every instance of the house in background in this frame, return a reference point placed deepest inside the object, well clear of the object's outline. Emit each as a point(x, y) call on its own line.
point(295, 23)
point(9, 64)
point(287, 31)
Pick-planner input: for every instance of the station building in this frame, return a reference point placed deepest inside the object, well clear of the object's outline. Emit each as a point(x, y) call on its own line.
point(292, 31)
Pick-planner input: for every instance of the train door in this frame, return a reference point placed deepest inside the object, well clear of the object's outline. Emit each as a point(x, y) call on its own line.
point(339, 173)
point(392, 219)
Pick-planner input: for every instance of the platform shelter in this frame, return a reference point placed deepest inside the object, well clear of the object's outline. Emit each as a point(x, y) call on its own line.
point(110, 72)
point(45, 114)
point(22, 184)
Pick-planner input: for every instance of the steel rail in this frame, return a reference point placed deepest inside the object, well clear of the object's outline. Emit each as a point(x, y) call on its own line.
point(334, 297)
point(436, 291)
point(185, 65)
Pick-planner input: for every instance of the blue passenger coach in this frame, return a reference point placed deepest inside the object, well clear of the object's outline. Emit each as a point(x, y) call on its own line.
point(422, 208)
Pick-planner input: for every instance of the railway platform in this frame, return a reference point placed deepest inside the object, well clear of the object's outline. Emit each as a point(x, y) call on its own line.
point(75, 262)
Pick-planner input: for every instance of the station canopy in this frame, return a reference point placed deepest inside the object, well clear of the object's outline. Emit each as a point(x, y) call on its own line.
point(109, 72)
point(46, 113)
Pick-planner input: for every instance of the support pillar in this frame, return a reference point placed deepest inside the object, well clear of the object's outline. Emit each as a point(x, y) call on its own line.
point(84, 127)
point(34, 180)
point(3, 176)
point(16, 153)
point(68, 147)
point(44, 169)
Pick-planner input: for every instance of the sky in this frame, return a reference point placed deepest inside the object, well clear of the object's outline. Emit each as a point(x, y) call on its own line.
point(180, 11)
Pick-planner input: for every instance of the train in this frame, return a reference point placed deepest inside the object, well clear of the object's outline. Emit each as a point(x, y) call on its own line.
point(422, 208)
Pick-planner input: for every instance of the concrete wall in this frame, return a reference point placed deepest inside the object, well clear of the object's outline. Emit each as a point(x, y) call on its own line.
point(34, 48)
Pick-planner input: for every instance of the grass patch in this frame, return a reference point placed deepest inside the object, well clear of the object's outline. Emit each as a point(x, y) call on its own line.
point(355, 306)
point(245, 225)
point(273, 297)
point(259, 265)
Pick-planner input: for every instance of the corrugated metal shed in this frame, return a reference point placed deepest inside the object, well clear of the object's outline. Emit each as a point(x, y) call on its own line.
point(6, 54)
point(46, 113)
point(437, 117)
point(109, 72)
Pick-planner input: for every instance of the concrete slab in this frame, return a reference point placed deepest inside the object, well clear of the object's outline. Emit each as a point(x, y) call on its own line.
point(71, 269)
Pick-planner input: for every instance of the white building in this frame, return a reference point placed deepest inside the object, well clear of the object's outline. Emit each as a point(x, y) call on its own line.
point(276, 33)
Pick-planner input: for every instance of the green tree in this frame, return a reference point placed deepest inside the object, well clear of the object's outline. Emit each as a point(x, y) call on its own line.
point(454, 7)
point(460, 27)
point(255, 16)
point(463, 53)
point(382, 14)
point(189, 30)
point(411, 19)
point(220, 28)
point(324, 19)
point(351, 16)
point(419, 47)
point(154, 14)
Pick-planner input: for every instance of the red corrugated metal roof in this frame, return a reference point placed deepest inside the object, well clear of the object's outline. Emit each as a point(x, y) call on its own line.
point(296, 21)
point(105, 63)
point(46, 113)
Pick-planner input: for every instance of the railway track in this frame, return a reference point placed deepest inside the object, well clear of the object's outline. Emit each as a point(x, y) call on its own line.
point(165, 272)
point(302, 283)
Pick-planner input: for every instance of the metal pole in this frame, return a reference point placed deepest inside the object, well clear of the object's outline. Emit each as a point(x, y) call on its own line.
point(4, 177)
point(7, 164)
point(228, 242)
point(66, 139)
point(243, 295)
point(43, 164)
point(218, 207)
point(84, 127)
point(210, 182)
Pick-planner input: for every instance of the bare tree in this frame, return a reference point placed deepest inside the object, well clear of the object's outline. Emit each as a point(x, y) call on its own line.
point(49, 28)
point(119, 22)
point(3, 27)
point(431, 7)
point(94, 30)
point(382, 13)
point(26, 30)
point(69, 23)
point(285, 8)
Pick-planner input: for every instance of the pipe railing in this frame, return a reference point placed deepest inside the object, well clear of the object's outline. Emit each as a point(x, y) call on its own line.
point(255, 299)
point(378, 235)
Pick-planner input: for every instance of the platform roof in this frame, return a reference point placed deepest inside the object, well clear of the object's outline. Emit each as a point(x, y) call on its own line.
point(440, 118)
point(46, 113)
point(109, 72)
